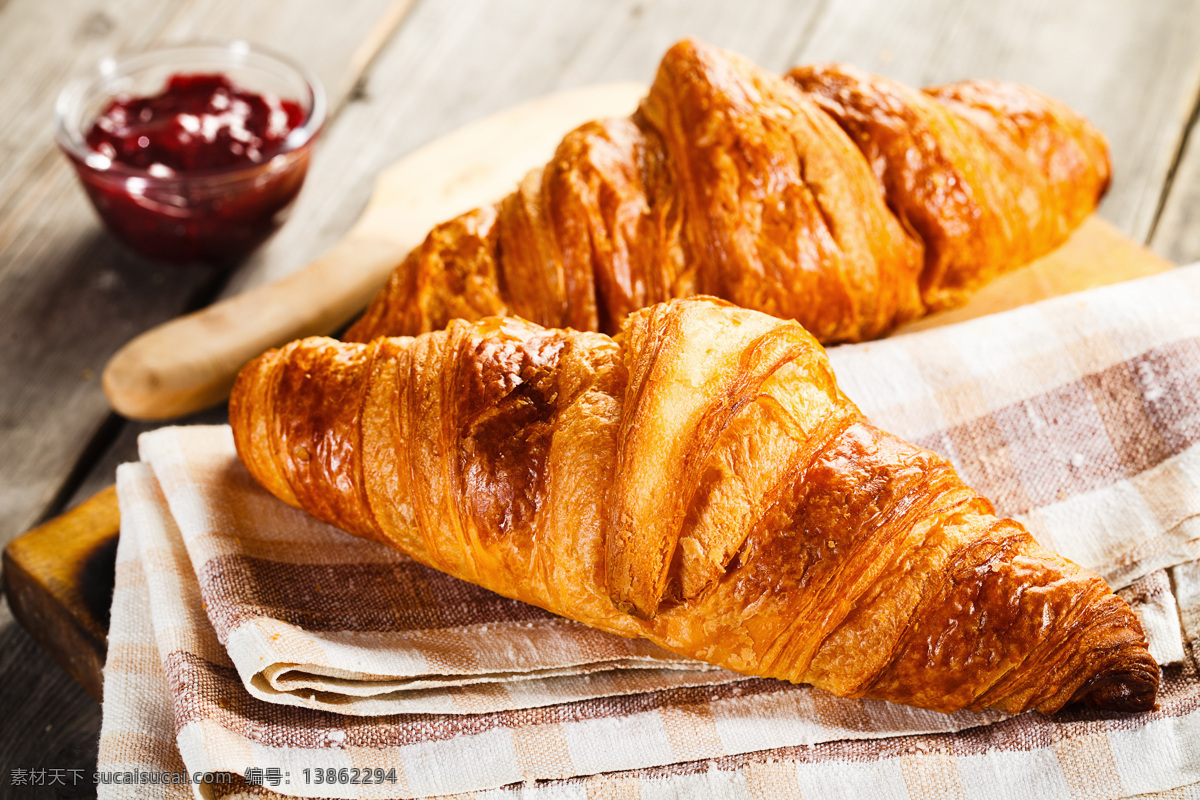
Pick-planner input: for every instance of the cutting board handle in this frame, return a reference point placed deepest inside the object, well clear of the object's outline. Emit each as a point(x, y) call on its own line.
point(190, 363)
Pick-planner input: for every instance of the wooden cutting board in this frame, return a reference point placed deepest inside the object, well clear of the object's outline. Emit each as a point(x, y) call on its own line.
point(59, 576)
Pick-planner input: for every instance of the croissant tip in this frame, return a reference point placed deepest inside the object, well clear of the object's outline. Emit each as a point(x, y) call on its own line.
point(1132, 688)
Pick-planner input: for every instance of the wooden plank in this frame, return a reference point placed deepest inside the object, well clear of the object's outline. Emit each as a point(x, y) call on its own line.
point(69, 296)
point(1133, 68)
point(49, 720)
point(1176, 233)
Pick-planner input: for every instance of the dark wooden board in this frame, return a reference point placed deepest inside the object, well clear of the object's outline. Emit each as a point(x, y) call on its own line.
point(59, 580)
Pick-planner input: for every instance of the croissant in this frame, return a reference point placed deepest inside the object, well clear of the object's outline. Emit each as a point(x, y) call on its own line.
point(847, 202)
point(701, 482)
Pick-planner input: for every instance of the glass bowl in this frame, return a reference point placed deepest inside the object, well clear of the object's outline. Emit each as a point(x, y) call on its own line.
point(216, 215)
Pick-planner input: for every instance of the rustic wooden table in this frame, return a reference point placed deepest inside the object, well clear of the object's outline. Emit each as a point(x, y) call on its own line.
point(401, 72)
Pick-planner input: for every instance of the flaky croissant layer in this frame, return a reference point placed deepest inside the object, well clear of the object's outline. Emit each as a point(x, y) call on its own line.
point(846, 201)
point(700, 482)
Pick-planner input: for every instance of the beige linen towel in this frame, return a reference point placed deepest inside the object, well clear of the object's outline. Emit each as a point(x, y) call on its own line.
point(1080, 755)
point(1077, 414)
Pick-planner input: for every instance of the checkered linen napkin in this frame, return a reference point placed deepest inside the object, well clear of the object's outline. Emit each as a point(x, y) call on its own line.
point(1076, 414)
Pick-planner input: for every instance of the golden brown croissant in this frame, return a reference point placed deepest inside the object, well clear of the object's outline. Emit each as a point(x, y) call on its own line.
point(847, 202)
point(700, 482)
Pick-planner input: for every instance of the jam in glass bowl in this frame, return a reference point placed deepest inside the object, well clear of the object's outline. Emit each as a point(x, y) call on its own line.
point(193, 152)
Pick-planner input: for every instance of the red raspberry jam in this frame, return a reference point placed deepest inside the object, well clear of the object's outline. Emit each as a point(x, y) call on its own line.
point(197, 122)
point(203, 182)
